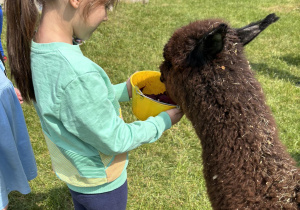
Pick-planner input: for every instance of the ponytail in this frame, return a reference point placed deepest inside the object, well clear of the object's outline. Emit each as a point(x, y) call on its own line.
point(21, 18)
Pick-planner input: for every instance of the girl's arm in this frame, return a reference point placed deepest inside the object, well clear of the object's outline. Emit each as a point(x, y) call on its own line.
point(123, 93)
point(92, 117)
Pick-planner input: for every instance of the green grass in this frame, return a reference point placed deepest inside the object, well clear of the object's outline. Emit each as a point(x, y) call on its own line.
point(168, 174)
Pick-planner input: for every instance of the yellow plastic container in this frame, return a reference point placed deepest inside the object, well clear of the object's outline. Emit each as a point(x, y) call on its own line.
point(143, 106)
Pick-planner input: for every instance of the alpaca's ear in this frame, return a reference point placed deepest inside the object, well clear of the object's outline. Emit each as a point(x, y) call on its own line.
point(207, 47)
point(249, 32)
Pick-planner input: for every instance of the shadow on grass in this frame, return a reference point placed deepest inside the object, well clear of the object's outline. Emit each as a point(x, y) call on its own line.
point(57, 198)
point(296, 156)
point(292, 59)
point(274, 73)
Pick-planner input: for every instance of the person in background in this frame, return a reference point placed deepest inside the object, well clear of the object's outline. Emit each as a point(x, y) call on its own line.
point(77, 104)
point(4, 58)
point(17, 162)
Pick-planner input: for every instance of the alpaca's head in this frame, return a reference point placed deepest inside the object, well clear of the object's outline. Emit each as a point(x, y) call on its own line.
point(202, 49)
point(193, 48)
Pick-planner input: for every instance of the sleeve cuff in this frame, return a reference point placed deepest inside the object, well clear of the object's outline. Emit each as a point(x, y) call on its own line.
point(121, 92)
point(164, 120)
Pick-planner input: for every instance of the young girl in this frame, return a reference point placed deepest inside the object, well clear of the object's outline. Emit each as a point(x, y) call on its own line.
point(77, 105)
point(17, 162)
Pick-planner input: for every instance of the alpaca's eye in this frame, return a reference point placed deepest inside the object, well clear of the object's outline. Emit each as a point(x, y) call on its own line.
point(168, 65)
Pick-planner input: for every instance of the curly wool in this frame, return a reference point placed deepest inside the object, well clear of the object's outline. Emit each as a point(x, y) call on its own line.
point(245, 164)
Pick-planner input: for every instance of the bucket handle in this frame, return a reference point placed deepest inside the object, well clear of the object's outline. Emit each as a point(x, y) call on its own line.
point(138, 91)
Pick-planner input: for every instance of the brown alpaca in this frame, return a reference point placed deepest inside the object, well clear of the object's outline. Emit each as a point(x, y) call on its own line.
point(206, 73)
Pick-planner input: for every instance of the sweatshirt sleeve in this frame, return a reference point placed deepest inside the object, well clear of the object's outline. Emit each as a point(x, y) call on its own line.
point(87, 113)
point(121, 92)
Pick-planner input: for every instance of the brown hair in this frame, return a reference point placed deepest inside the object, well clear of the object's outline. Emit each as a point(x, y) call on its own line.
point(22, 16)
point(21, 20)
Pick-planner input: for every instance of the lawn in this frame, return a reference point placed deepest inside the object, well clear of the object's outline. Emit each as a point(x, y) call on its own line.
point(168, 173)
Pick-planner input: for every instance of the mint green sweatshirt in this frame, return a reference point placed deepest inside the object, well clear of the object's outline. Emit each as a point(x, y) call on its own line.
point(80, 116)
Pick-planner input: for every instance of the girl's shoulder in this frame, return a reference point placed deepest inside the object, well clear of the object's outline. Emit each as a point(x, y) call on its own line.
point(81, 64)
point(61, 57)
point(64, 63)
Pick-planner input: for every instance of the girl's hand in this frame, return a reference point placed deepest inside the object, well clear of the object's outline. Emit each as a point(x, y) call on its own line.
point(129, 87)
point(19, 95)
point(175, 115)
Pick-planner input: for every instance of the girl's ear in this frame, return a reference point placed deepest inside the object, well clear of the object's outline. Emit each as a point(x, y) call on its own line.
point(75, 3)
point(208, 46)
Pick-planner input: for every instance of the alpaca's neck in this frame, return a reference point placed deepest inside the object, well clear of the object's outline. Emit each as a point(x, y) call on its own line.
point(242, 130)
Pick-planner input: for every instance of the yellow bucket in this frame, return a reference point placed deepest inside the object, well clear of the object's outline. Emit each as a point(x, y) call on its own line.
point(143, 106)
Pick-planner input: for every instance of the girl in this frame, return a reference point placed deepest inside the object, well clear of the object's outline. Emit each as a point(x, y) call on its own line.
point(77, 105)
point(17, 162)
